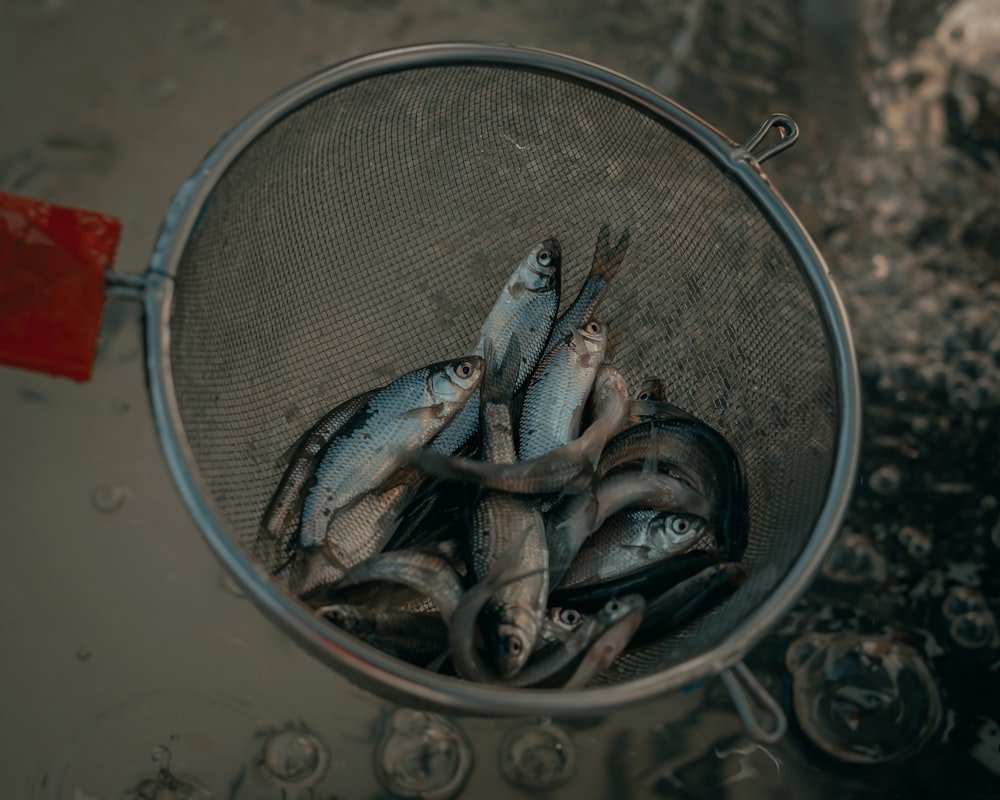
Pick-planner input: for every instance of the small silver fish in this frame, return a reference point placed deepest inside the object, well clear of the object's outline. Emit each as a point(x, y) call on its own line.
point(525, 310)
point(301, 459)
point(413, 637)
point(607, 260)
point(406, 413)
point(631, 541)
point(429, 574)
point(622, 620)
point(558, 390)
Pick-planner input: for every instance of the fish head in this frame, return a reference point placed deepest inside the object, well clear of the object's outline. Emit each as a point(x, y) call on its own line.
point(590, 342)
point(675, 533)
point(650, 389)
point(343, 616)
point(513, 640)
point(618, 608)
point(456, 380)
point(539, 270)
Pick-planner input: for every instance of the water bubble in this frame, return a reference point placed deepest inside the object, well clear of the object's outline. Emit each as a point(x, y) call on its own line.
point(862, 699)
point(422, 755)
point(963, 600)
point(292, 757)
point(854, 559)
point(538, 756)
point(885, 480)
point(974, 629)
point(84, 653)
point(917, 543)
point(107, 499)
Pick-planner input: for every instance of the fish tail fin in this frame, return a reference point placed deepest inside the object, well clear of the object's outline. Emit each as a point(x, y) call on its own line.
point(608, 259)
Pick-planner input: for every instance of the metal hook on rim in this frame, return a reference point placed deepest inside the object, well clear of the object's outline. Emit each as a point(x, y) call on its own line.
point(788, 132)
point(754, 705)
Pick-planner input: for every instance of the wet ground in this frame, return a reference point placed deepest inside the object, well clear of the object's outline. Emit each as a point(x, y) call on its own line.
point(133, 668)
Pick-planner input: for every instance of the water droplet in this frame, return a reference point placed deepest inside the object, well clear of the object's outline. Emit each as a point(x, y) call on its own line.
point(538, 756)
point(864, 699)
point(108, 499)
point(885, 480)
point(84, 654)
point(293, 757)
point(423, 755)
point(917, 543)
point(854, 559)
point(974, 629)
point(963, 600)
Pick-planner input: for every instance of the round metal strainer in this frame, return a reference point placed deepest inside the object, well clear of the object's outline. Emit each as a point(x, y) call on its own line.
point(362, 223)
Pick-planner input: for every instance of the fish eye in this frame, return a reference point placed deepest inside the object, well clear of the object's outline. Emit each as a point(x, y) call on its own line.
point(464, 369)
point(612, 606)
point(643, 395)
point(681, 525)
point(593, 327)
point(569, 616)
point(544, 258)
point(512, 645)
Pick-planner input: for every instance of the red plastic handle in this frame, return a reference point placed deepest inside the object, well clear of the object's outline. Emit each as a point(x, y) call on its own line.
point(53, 261)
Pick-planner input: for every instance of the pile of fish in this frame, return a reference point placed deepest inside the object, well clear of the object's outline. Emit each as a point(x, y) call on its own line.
point(514, 516)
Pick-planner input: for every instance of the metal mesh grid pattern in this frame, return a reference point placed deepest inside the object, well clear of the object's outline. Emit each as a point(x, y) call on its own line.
point(370, 231)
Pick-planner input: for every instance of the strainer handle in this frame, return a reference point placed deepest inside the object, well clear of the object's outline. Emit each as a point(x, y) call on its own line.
point(761, 714)
point(788, 133)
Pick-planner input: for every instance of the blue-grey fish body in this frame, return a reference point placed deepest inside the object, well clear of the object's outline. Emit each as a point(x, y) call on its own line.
point(526, 308)
point(557, 392)
point(406, 413)
point(302, 458)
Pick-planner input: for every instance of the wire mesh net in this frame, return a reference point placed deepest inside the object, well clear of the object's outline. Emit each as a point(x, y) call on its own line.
point(370, 231)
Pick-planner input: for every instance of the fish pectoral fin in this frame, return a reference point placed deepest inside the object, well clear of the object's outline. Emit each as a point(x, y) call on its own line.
point(424, 412)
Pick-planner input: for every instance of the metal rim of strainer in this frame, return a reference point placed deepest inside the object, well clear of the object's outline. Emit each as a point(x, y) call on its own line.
point(366, 664)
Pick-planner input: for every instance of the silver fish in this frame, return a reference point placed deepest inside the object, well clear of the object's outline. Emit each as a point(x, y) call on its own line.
point(513, 614)
point(592, 629)
point(570, 525)
point(504, 570)
point(429, 574)
point(357, 533)
point(623, 620)
point(558, 390)
point(413, 637)
point(700, 456)
point(607, 260)
point(553, 471)
point(525, 309)
point(406, 413)
point(631, 541)
point(301, 459)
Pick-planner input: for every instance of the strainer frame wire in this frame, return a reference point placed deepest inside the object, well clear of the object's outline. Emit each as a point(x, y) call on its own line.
point(368, 665)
